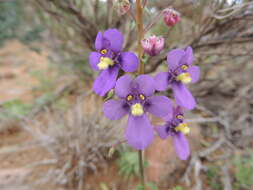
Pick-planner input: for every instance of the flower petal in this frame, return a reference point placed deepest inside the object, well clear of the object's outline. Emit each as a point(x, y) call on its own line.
point(161, 131)
point(129, 61)
point(161, 81)
point(189, 55)
point(115, 38)
point(139, 132)
point(115, 109)
point(194, 72)
point(105, 81)
point(145, 84)
point(123, 86)
point(174, 57)
point(94, 59)
point(159, 106)
point(181, 146)
point(99, 41)
point(183, 96)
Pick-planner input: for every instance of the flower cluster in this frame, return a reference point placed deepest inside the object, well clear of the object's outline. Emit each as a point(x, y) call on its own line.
point(135, 97)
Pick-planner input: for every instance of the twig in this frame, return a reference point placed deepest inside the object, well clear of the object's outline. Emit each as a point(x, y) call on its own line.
point(212, 148)
point(226, 178)
point(153, 21)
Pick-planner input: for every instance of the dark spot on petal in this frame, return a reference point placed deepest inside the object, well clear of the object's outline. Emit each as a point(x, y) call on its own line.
point(147, 104)
point(125, 106)
point(167, 129)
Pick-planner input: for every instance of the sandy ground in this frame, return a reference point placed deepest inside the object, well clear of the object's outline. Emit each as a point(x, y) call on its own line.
point(17, 62)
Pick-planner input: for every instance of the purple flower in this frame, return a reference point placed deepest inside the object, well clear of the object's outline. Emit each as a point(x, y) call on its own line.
point(153, 45)
point(136, 99)
point(109, 59)
point(181, 72)
point(176, 128)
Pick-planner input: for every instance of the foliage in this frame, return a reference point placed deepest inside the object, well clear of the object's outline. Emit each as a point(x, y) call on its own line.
point(178, 188)
point(15, 108)
point(213, 178)
point(129, 164)
point(150, 186)
point(32, 35)
point(244, 171)
point(103, 186)
point(9, 19)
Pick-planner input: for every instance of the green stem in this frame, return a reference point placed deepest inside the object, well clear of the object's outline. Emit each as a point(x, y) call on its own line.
point(141, 168)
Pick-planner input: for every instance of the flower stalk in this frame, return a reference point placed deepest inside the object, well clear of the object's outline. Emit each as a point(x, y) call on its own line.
point(140, 35)
point(141, 168)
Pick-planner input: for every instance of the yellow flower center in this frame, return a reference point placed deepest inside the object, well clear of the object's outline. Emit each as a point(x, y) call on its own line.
point(183, 128)
point(184, 78)
point(103, 51)
point(184, 67)
point(104, 63)
point(129, 97)
point(137, 110)
point(142, 97)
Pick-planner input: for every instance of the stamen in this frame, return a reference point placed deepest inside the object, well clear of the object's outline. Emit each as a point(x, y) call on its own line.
point(103, 51)
point(142, 97)
point(180, 117)
point(129, 97)
point(137, 110)
point(104, 63)
point(183, 128)
point(184, 77)
point(184, 67)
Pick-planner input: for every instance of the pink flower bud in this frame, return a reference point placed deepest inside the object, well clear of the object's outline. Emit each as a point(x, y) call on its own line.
point(153, 45)
point(171, 16)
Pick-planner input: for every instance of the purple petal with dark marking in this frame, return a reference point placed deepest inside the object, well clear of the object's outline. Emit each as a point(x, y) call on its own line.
point(139, 132)
point(194, 72)
point(105, 81)
point(183, 96)
point(174, 57)
point(94, 59)
point(162, 81)
point(161, 131)
point(159, 106)
point(99, 41)
point(145, 84)
point(181, 146)
point(115, 109)
point(129, 61)
point(115, 38)
point(123, 86)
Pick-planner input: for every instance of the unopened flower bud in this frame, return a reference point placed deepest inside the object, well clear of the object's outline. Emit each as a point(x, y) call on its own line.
point(171, 16)
point(153, 45)
point(123, 6)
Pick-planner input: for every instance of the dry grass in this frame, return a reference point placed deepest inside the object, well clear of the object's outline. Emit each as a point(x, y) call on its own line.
point(78, 141)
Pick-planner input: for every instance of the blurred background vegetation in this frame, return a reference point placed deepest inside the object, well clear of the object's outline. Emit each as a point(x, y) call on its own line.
point(53, 133)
